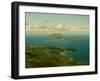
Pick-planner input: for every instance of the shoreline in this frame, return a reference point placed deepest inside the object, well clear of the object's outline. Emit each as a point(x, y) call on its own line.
point(41, 56)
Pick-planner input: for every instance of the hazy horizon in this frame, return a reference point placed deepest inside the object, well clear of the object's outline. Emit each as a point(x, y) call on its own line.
point(56, 22)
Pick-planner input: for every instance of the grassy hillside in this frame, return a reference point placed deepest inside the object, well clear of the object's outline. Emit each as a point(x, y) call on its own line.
point(41, 56)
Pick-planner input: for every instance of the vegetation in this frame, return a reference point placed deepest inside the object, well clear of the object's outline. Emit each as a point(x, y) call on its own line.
point(41, 56)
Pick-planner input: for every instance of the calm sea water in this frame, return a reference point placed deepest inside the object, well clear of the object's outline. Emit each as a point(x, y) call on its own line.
point(78, 41)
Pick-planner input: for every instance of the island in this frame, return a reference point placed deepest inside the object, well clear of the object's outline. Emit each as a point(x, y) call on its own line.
point(56, 35)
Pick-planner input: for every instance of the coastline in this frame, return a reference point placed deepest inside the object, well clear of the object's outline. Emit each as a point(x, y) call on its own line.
point(41, 56)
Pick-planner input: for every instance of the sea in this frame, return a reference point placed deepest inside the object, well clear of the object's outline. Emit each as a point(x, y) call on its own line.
point(76, 40)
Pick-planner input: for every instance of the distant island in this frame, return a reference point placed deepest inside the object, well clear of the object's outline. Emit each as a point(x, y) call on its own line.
point(57, 35)
point(42, 56)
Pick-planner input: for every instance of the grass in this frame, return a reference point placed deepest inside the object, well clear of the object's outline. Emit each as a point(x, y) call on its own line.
point(41, 56)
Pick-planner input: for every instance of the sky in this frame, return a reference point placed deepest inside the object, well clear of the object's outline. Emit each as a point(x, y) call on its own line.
point(34, 19)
